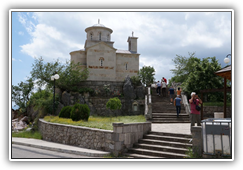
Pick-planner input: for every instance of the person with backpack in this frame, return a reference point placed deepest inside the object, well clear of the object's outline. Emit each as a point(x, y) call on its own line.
point(195, 110)
point(177, 103)
point(171, 92)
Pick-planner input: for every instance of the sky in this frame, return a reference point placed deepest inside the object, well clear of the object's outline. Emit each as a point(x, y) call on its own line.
point(161, 36)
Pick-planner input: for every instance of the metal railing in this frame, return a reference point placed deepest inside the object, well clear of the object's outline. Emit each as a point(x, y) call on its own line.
point(216, 135)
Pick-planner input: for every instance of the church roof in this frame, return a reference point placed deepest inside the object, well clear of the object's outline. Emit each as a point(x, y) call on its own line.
point(98, 26)
point(125, 52)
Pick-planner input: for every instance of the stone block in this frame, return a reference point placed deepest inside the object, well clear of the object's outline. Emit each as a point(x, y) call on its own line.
point(118, 146)
point(108, 136)
point(127, 138)
point(140, 135)
point(115, 137)
point(117, 127)
point(111, 146)
point(126, 129)
point(140, 128)
point(134, 128)
point(121, 137)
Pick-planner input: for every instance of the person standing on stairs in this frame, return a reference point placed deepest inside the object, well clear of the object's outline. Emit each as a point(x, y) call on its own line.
point(158, 88)
point(163, 88)
point(171, 93)
point(195, 114)
point(179, 91)
point(177, 103)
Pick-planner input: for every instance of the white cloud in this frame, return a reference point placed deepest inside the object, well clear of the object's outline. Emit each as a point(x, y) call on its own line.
point(21, 33)
point(20, 60)
point(13, 59)
point(160, 35)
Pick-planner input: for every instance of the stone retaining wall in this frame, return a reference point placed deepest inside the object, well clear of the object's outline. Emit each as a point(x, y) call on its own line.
point(117, 141)
point(208, 111)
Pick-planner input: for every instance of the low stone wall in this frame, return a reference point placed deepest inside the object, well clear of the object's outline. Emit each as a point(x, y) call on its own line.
point(208, 111)
point(117, 141)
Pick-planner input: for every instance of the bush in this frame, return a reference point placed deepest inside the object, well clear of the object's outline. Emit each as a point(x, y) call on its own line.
point(65, 112)
point(80, 111)
point(114, 104)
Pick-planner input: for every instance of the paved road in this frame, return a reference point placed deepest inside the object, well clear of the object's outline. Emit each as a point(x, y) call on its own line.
point(26, 152)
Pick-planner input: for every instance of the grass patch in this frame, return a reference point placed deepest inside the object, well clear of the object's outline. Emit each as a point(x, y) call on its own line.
point(27, 134)
point(97, 121)
point(216, 104)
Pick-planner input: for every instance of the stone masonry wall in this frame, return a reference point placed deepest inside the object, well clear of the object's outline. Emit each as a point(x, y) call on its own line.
point(117, 141)
point(208, 111)
point(97, 100)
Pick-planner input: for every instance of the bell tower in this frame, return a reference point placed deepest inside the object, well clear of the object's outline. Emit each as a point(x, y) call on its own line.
point(98, 33)
point(132, 43)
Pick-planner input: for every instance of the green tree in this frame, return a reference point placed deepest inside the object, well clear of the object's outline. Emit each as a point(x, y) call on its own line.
point(70, 74)
point(196, 74)
point(146, 75)
point(183, 67)
point(21, 94)
point(43, 100)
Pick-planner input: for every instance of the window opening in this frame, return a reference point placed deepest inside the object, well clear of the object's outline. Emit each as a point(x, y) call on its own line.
point(135, 107)
point(101, 62)
point(91, 36)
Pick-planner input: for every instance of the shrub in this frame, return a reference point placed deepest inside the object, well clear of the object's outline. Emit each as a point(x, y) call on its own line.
point(114, 104)
point(80, 111)
point(65, 112)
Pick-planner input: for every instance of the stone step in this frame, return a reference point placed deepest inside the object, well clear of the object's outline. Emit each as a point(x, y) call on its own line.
point(166, 111)
point(165, 143)
point(172, 118)
point(166, 103)
point(133, 155)
point(173, 115)
point(170, 134)
point(171, 121)
point(158, 110)
point(164, 107)
point(156, 153)
point(167, 138)
point(160, 148)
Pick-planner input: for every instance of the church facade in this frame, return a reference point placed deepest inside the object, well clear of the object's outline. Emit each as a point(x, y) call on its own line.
point(106, 63)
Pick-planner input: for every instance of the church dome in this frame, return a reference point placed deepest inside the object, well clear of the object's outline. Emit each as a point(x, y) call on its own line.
point(98, 26)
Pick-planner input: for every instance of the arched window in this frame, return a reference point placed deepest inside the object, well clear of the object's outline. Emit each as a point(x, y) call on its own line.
point(101, 61)
point(108, 37)
point(100, 36)
point(126, 66)
point(91, 36)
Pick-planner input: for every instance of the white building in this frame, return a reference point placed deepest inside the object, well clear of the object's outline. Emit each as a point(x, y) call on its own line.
point(105, 62)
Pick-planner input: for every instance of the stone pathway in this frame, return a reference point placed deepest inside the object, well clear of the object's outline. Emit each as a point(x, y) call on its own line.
point(182, 128)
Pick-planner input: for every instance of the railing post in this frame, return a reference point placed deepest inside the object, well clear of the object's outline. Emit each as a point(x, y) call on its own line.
point(148, 105)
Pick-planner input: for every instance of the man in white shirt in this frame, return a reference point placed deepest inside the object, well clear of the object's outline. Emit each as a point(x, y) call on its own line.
point(163, 88)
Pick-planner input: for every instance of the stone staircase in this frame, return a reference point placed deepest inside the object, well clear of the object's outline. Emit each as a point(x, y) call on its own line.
point(164, 112)
point(161, 145)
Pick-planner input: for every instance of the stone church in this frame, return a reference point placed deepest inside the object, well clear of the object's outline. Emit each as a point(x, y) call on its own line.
point(106, 63)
